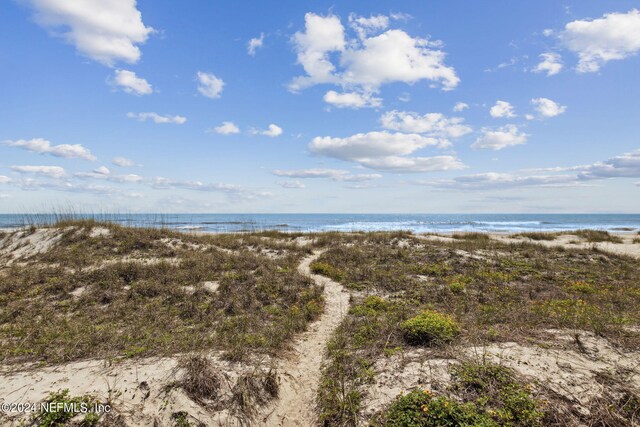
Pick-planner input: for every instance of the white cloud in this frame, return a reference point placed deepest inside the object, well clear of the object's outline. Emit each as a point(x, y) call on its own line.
point(550, 63)
point(384, 151)
point(370, 145)
point(322, 36)
point(502, 137)
point(234, 191)
point(4, 179)
point(460, 106)
point(493, 180)
point(432, 124)
point(548, 108)
point(502, 109)
point(272, 131)
point(105, 174)
point(334, 174)
point(42, 146)
point(102, 170)
point(368, 60)
point(209, 85)
point(226, 128)
point(291, 184)
point(157, 118)
point(614, 36)
point(351, 99)
point(106, 31)
point(367, 26)
point(255, 44)
point(399, 164)
point(123, 162)
point(48, 171)
point(129, 82)
point(625, 166)
point(394, 56)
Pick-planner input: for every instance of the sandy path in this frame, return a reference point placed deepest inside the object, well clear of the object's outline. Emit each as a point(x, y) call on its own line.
point(300, 373)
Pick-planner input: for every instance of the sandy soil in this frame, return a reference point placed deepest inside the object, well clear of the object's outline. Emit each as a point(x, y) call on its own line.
point(569, 241)
point(558, 365)
point(300, 373)
point(137, 388)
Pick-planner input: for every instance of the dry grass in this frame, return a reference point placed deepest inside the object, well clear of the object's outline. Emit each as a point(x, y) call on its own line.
point(496, 292)
point(139, 292)
point(538, 236)
point(596, 236)
point(200, 380)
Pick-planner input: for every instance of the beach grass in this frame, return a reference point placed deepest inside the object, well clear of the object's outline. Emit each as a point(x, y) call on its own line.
point(131, 292)
point(493, 292)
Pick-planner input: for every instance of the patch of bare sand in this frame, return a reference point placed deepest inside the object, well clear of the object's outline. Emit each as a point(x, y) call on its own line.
point(572, 374)
point(300, 373)
point(26, 243)
point(569, 373)
point(137, 389)
point(570, 241)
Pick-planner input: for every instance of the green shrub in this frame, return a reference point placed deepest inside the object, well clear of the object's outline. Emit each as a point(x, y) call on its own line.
point(327, 270)
point(481, 396)
point(422, 409)
point(582, 287)
point(428, 327)
point(456, 287)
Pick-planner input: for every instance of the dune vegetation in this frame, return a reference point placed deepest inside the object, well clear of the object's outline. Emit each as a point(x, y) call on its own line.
point(454, 331)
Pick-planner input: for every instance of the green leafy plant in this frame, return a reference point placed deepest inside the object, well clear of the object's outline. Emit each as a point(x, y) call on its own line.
point(429, 327)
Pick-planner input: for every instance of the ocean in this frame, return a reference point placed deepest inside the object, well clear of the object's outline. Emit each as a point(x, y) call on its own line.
point(418, 223)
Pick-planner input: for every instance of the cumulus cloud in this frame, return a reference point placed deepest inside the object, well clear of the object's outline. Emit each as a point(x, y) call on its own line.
point(291, 184)
point(129, 82)
point(614, 36)
point(226, 128)
point(384, 151)
point(502, 109)
point(106, 31)
point(431, 124)
point(460, 106)
point(550, 63)
point(334, 174)
point(351, 99)
point(123, 162)
point(48, 171)
point(42, 146)
point(502, 137)
point(4, 179)
point(157, 118)
point(376, 56)
point(548, 108)
point(399, 164)
point(209, 85)
point(370, 145)
point(271, 131)
point(255, 44)
point(367, 26)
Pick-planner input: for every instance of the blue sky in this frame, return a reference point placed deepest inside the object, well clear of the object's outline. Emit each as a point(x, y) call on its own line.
point(297, 106)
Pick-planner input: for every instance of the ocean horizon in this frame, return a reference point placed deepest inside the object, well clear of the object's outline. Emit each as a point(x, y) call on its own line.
point(417, 223)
